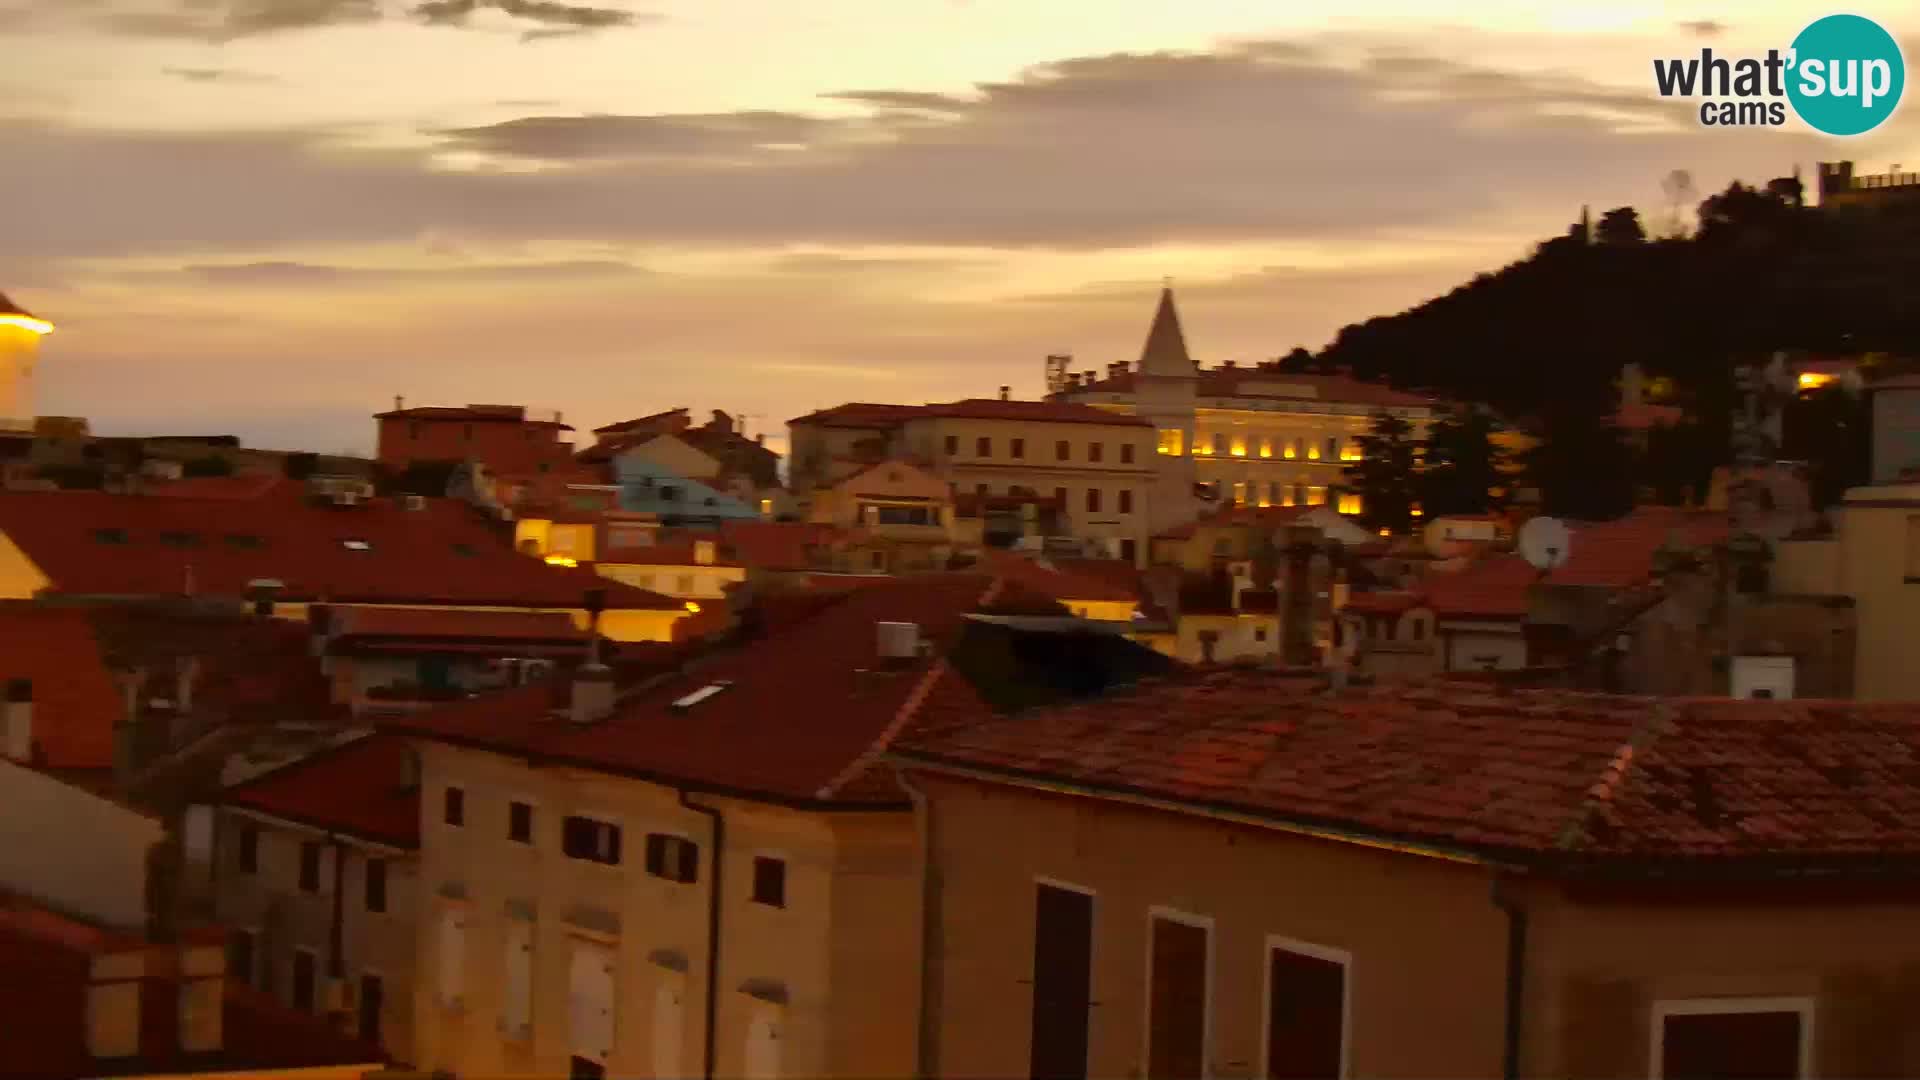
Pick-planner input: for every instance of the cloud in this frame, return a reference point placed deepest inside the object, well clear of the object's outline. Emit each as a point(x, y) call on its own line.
point(1705, 28)
point(551, 18)
point(226, 20)
point(288, 274)
point(1258, 142)
point(220, 75)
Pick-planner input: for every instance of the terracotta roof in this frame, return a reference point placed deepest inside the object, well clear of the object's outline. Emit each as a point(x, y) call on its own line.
point(865, 414)
point(1381, 603)
point(362, 622)
point(670, 420)
point(1251, 382)
point(237, 486)
point(45, 1001)
point(508, 414)
point(100, 544)
point(1050, 579)
point(747, 738)
point(1613, 554)
point(777, 545)
point(1564, 779)
point(357, 788)
point(75, 702)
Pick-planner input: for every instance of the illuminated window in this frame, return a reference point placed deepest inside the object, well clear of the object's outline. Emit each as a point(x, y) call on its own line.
point(1202, 444)
point(1313, 451)
point(1293, 449)
point(1350, 452)
point(1316, 495)
point(766, 506)
point(1172, 442)
point(1266, 496)
point(1239, 446)
point(1240, 493)
point(1273, 493)
point(1288, 497)
point(1349, 503)
point(1266, 447)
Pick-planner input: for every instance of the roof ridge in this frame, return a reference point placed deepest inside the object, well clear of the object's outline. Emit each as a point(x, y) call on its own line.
point(314, 757)
point(1574, 834)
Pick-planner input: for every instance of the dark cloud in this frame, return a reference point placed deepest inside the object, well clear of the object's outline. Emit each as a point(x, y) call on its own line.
point(551, 18)
point(225, 20)
point(1704, 28)
point(297, 274)
point(220, 75)
point(1257, 143)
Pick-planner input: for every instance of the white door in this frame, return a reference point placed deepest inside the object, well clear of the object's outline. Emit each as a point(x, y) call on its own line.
point(763, 1048)
point(590, 1001)
point(669, 1021)
point(516, 1013)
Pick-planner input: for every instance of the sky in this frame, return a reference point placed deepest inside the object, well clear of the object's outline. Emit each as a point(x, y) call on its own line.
point(271, 217)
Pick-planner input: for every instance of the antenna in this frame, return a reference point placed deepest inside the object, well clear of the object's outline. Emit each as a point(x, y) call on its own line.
point(1546, 543)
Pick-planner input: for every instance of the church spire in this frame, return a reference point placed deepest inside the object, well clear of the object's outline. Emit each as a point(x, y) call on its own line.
point(1166, 349)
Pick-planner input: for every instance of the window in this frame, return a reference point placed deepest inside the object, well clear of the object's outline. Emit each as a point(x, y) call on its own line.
point(110, 536)
point(1062, 450)
point(1093, 500)
point(1266, 447)
point(1095, 451)
point(877, 560)
point(1333, 447)
point(1126, 453)
point(675, 858)
point(591, 840)
point(904, 515)
point(180, 539)
point(1172, 442)
point(1126, 500)
point(249, 853)
point(376, 885)
point(579, 1068)
point(520, 822)
point(240, 954)
point(1018, 448)
point(1306, 1011)
point(453, 958)
point(303, 976)
point(1272, 497)
point(244, 541)
point(355, 544)
point(683, 583)
point(1127, 550)
point(1260, 633)
point(453, 809)
point(1062, 982)
point(1349, 502)
point(1177, 963)
point(309, 866)
point(1293, 448)
point(1219, 443)
point(1732, 1037)
point(1239, 445)
point(1417, 629)
point(953, 444)
point(769, 881)
point(466, 432)
point(1316, 495)
point(1239, 493)
point(1060, 496)
point(373, 999)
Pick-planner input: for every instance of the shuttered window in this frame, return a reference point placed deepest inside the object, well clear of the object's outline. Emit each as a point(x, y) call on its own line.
point(453, 956)
point(675, 858)
point(516, 1007)
point(1177, 997)
point(590, 839)
point(1062, 983)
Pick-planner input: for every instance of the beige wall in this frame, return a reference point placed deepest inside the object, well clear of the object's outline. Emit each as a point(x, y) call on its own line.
point(678, 581)
point(102, 879)
point(270, 904)
point(1482, 646)
point(1880, 568)
point(1426, 947)
point(844, 946)
point(1237, 637)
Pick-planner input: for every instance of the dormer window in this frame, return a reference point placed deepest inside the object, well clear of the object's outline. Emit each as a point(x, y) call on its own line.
point(355, 544)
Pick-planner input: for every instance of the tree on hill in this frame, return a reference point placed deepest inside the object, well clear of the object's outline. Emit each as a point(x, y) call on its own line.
point(1620, 227)
point(1463, 466)
point(1386, 476)
point(1583, 467)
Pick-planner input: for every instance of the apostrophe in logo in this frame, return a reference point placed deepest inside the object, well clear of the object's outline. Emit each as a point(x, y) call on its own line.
point(1843, 75)
point(1847, 75)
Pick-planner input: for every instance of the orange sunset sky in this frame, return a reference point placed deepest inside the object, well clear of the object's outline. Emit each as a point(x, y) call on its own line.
point(268, 217)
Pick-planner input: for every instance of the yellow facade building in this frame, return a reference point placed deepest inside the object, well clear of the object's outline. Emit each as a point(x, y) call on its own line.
point(1872, 558)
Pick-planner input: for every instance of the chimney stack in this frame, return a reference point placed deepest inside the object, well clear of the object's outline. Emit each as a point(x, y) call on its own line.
point(1006, 393)
point(17, 728)
point(593, 689)
point(399, 403)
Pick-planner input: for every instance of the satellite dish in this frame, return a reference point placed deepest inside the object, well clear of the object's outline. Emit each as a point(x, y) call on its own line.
point(1545, 543)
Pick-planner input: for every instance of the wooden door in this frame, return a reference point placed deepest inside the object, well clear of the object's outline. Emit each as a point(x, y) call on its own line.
point(1062, 983)
point(1306, 1016)
point(1731, 1046)
point(1177, 1001)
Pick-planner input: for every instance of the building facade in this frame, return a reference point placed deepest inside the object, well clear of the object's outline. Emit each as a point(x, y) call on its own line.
point(507, 438)
point(20, 334)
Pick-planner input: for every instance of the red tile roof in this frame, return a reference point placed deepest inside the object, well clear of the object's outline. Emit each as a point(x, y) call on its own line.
point(1613, 554)
point(869, 415)
point(99, 544)
point(357, 789)
point(237, 486)
point(363, 622)
point(1564, 779)
point(777, 545)
point(1381, 603)
point(1052, 580)
point(76, 703)
point(670, 420)
point(1222, 382)
point(807, 705)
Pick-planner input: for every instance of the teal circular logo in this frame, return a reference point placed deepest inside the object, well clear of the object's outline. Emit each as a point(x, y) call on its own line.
point(1846, 75)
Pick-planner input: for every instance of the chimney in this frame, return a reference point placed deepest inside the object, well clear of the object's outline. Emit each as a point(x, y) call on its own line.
point(593, 689)
point(262, 593)
point(1006, 393)
point(16, 723)
point(760, 439)
point(721, 422)
point(399, 403)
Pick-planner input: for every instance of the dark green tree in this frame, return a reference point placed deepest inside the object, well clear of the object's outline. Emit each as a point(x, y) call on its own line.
point(208, 465)
point(1463, 467)
point(1830, 430)
point(1297, 360)
point(1583, 467)
point(1620, 227)
point(1387, 475)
